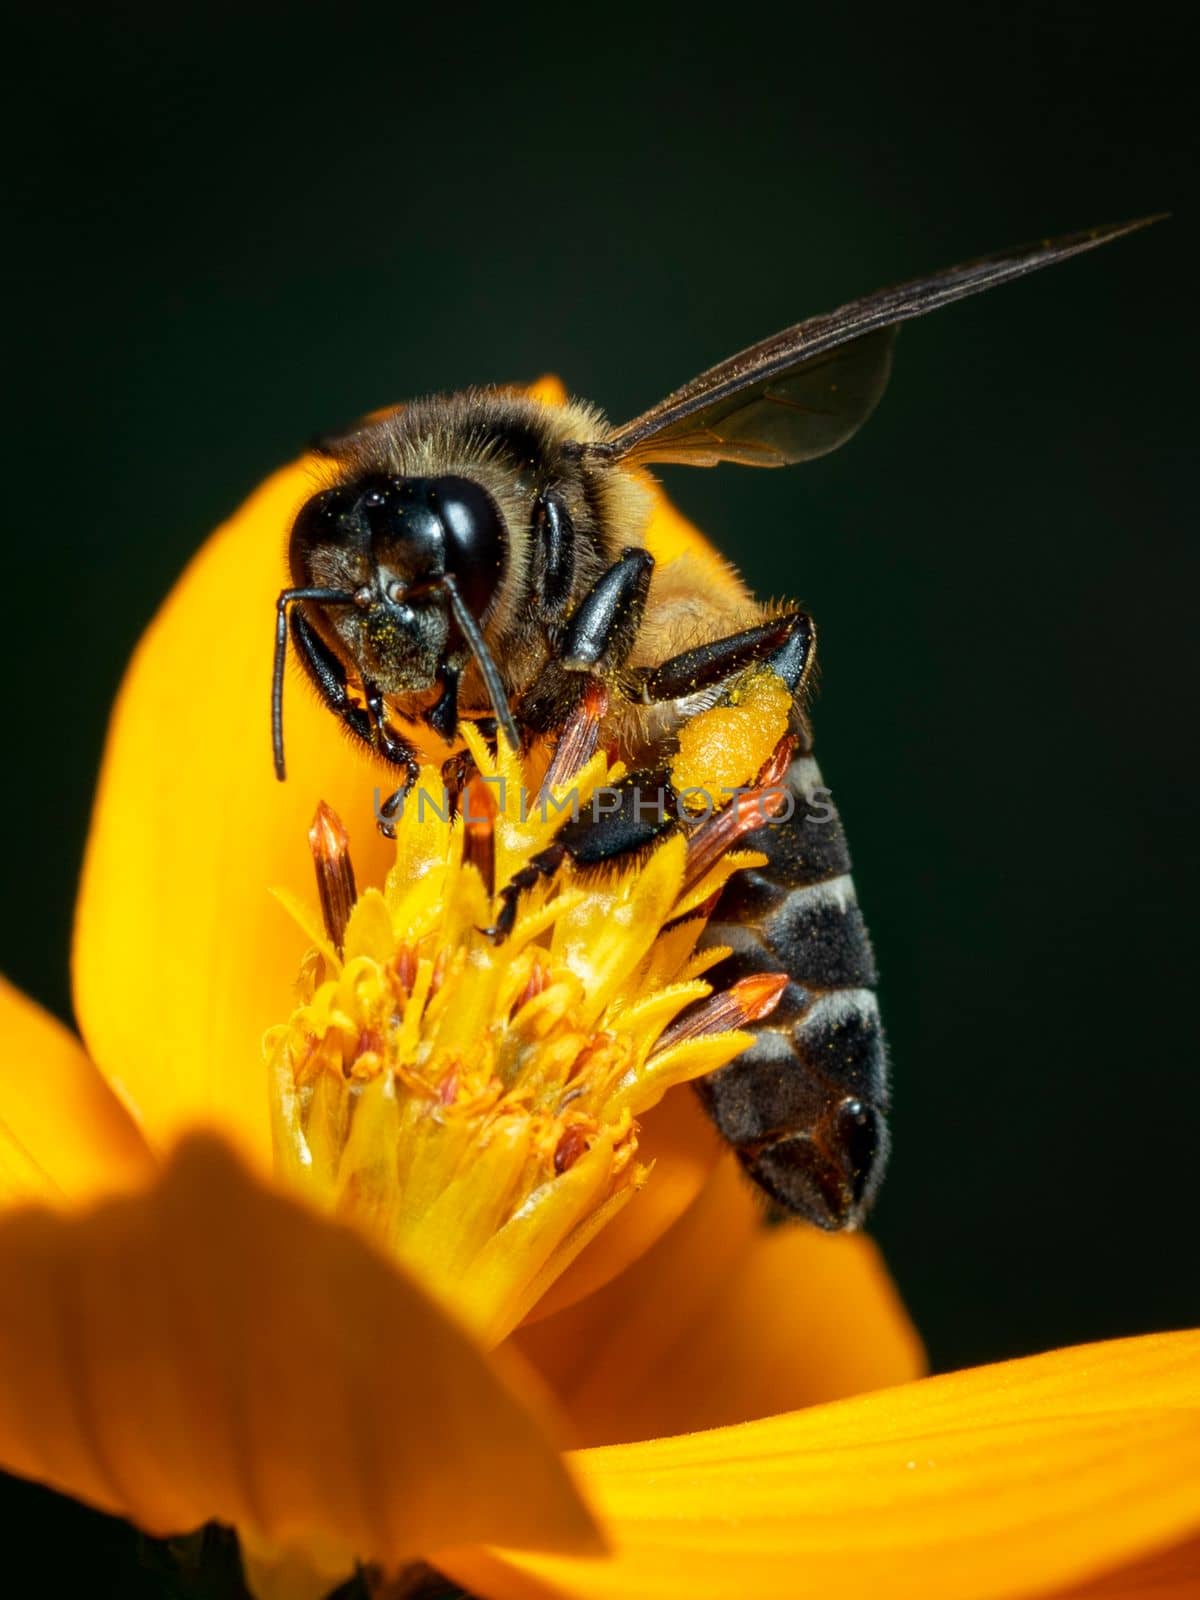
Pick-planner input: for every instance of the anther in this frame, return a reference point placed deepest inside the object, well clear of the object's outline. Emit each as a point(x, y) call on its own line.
point(479, 821)
point(571, 1146)
point(579, 739)
point(330, 846)
point(749, 1000)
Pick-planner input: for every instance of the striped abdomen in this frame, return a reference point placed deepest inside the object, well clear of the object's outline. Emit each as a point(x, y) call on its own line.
point(805, 1106)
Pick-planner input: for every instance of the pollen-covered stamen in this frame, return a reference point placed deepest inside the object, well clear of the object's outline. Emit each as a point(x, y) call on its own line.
point(330, 846)
point(474, 1106)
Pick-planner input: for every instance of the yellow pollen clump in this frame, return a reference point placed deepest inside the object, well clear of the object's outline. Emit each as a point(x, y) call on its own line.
point(472, 1103)
point(725, 747)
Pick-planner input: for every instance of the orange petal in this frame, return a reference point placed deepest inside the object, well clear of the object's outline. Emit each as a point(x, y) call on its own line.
point(208, 1349)
point(680, 1144)
point(670, 537)
point(1172, 1574)
point(63, 1134)
point(1010, 1480)
point(182, 957)
point(725, 1320)
point(548, 389)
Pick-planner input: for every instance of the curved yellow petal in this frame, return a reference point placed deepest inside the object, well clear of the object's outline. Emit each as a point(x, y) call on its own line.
point(672, 539)
point(1010, 1480)
point(725, 1320)
point(1171, 1574)
point(182, 956)
point(209, 1349)
point(548, 389)
point(64, 1137)
point(681, 1146)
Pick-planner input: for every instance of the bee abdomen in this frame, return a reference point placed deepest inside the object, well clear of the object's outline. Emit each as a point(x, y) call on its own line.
point(804, 1107)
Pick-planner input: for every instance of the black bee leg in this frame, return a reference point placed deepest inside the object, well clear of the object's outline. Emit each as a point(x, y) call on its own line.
point(794, 659)
point(543, 865)
point(623, 820)
point(442, 716)
point(327, 672)
point(554, 556)
point(594, 644)
point(785, 644)
point(366, 723)
point(605, 623)
point(395, 749)
point(384, 737)
point(386, 811)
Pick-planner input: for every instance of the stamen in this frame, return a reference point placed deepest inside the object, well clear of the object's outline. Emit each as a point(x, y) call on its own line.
point(749, 1000)
point(579, 739)
point(539, 980)
point(404, 965)
point(571, 1146)
point(330, 846)
point(479, 816)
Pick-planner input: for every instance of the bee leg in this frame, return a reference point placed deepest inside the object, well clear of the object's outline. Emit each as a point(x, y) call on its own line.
point(554, 558)
point(367, 724)
point(327, 672)
point(623, 819)
point(442, 716)
point(544, 865)
point(605, 623)
point(785, 644)
point(396, 749)
point(594, 644)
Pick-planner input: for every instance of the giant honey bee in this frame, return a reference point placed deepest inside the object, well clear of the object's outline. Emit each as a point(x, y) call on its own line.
point(482, 555)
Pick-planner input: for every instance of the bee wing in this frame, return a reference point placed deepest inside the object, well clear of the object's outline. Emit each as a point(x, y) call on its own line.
point(806, 390)
point(764, 409)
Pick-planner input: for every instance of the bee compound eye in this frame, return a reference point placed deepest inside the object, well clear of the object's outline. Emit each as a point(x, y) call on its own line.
point(476, 538)
point(315, 528)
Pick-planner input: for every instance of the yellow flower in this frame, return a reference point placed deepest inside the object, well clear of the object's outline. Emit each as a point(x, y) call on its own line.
point(473, 1106)
point(215, 1309)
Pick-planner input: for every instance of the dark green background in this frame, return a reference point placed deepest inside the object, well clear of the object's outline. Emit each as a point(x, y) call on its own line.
point(239, 226)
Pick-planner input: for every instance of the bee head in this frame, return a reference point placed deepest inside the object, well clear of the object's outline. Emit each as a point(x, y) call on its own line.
point(393, 548)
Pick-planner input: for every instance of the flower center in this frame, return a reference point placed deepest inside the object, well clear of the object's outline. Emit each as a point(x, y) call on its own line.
point(469, 1099)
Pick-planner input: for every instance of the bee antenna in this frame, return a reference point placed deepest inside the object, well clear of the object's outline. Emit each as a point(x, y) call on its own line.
point(488, 670)
point(330, 597)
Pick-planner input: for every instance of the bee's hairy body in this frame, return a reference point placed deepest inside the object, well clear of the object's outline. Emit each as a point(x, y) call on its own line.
point(491, 556)
point(520, 449)
point(793, 1103)
point(806, 1106)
